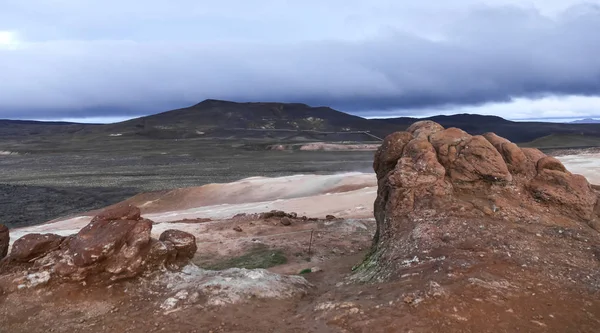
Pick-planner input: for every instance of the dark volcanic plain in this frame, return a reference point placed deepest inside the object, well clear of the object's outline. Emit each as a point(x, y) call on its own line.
point(47, 183)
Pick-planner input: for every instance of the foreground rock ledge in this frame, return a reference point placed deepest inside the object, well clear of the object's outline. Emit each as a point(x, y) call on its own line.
point(449, 199)
point(115, 245)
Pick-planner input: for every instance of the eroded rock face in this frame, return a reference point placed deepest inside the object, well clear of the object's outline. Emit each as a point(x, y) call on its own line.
point(4, 241)
point(115, 245)
point(435, 185)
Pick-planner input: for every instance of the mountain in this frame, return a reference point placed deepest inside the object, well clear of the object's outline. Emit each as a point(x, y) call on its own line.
point(283, 122)
point(516, 131)
point(586, 121)
point(224, 119)
point(25, 128)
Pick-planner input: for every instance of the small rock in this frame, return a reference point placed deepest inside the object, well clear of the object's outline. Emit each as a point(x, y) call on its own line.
point(184, 242)
point(286, 221)
point(315, 269)
point(237, 228)
point(330, 217)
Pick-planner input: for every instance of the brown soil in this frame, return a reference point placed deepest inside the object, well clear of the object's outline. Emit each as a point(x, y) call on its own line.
point(496, 294)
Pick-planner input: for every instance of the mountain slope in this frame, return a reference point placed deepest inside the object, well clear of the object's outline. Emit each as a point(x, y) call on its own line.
point(586, 121)
point(282, 122)
point(519, 132)
point(25, 128)
point(214, 118)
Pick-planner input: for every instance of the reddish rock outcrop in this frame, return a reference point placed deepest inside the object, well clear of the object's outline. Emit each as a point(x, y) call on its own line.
point(4, 241)
point(115, 245)
point(440, 189)
point(33, 246)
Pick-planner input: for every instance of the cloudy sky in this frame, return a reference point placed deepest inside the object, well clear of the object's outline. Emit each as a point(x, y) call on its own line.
point(111, 59)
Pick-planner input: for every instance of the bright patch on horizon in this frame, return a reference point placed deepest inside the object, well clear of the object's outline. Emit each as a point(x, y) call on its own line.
point(8, 40)
point(549, 108)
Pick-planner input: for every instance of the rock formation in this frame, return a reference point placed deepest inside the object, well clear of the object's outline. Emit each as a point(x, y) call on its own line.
point(4, 240)
point(115, 245)
point(33, 246)
point(439, 189)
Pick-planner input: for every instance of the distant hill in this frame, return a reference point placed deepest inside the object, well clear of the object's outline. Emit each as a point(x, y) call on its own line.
point(515, 131)
point(586, 121)
point(25, 128)
point(215, 118)
point(283, 122)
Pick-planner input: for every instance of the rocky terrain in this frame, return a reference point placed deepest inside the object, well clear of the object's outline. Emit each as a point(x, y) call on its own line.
point(470, 234)
point(53, 169)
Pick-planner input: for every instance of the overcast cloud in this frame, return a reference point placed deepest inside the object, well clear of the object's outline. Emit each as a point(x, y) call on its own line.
point(71, 58)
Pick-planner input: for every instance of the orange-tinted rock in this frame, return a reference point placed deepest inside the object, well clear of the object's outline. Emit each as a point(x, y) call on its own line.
point(390, 151)
point(441, 186)
point(496, 140)
point(423, 129)
point(32, 246)
point(514, 157)
point(571, 193)
point(479, 160)
point(550, 163)
point(4, 241)
point(533, 155)
point(469, 158)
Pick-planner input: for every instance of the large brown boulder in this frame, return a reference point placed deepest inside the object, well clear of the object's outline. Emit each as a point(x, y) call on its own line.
point(4, 241)
point(116, 244)
point(439, 188)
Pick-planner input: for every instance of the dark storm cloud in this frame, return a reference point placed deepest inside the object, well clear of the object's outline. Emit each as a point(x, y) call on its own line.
point(492, 54)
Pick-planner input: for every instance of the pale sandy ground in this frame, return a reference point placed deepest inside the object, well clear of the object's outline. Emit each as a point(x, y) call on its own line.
point(584, 164)
point(348, 195)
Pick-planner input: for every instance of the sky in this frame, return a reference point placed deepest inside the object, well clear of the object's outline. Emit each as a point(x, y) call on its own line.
point(111, 60)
